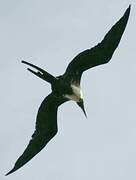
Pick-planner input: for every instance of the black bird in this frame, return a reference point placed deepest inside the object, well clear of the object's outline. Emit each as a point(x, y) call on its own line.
point(67, 87)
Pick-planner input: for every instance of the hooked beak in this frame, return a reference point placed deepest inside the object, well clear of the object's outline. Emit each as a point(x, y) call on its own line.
point(81, 105)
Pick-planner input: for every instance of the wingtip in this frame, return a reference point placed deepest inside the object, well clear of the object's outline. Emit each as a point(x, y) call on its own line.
point(10, 172)
point(128, 10)
point(129, 7)
point(7, 174)
point(127, 13)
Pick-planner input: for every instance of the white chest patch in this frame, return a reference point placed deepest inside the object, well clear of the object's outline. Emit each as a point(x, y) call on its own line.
point(77, 94)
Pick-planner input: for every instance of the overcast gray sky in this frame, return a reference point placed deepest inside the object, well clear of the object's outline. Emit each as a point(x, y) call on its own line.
point(49, 34)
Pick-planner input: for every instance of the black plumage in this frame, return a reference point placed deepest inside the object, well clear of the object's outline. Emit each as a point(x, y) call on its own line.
point(101, 53)
point(66, 87)
point(46, 128)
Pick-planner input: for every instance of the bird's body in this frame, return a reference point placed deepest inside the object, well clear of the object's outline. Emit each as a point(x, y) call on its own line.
point(77, 94)
point(67, 87)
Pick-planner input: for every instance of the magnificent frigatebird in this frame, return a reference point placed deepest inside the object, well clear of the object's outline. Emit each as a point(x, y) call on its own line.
point(67, 87)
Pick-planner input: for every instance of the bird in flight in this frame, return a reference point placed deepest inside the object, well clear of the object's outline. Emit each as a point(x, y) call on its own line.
point(67, 87)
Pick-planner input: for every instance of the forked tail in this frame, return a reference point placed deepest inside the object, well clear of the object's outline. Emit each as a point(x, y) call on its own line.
point(41, 73)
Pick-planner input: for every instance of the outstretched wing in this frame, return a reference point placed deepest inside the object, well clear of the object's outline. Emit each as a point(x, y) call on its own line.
point(46, 129)
point(99, 54)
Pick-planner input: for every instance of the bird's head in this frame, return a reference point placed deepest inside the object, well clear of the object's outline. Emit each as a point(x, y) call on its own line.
point(81, 105)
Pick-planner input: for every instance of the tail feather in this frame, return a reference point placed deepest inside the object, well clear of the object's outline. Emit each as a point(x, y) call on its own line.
point(41, 73)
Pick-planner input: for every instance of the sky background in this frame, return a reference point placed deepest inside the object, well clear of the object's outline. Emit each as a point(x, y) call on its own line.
point(49, 34)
